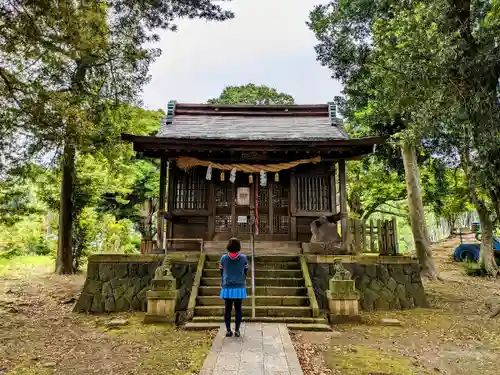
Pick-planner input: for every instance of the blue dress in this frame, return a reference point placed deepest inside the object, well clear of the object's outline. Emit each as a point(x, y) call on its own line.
point(233, 276)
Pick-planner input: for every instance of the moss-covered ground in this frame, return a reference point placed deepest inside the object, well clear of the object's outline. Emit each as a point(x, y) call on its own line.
point(455, 336)
point(39, 333)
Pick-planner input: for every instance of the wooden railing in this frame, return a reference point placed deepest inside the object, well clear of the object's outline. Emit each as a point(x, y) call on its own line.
point(374, 236)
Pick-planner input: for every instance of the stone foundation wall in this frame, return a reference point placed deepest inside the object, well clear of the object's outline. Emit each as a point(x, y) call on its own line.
point(384, 284)
point(119, 282)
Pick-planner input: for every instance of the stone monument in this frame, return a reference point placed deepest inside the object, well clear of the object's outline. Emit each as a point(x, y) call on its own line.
point(163, 295)
point(343, 298)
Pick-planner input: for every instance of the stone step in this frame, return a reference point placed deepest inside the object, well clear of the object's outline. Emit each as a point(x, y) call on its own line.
point(282, 274)
point(260, 258)
point(259, 301)
point(201, 326)
point(259, 291)
point(214, 265)
point(263, 319)
point(280, 311)
point(265, 248)
point(314, 327)
point(259, 281)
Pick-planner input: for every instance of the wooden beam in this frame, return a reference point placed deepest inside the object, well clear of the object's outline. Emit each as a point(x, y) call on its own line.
point(205, 112)
point(333, 190)
point(211, 210)
point(344, 224)
point(270, 202)
point(172, 180)
point(311, 213)
point(293, 206)
point(161, 206)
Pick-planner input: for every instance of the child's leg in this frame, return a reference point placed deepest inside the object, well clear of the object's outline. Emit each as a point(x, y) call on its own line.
point(227, 313)
point(238, 313)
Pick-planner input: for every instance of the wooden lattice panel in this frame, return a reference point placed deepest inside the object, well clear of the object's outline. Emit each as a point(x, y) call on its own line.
point(313, 193)
point(223, 195)
point(281, 224)
point(263, 196)
point(263, 224)
point(223, 223)
point(280, 196)
point(191, 191)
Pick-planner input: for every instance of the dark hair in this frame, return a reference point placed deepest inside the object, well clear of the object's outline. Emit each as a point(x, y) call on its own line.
point(234, 245)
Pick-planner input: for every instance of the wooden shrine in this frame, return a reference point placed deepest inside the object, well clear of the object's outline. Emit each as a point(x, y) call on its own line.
point(231, 169)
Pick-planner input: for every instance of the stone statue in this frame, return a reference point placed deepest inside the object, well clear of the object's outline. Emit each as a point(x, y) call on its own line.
point(339, 272)
point(325, 238)
point(165, 270)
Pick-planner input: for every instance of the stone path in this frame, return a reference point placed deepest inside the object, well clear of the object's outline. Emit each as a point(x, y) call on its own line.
point(262, 349)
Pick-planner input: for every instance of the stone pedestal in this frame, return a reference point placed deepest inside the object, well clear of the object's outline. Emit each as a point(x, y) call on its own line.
point(343, 298)
point(162, 296)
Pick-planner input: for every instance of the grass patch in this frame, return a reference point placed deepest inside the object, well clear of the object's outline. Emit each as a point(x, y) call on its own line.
point(361, 360)
point(26, 266)
point(172, 351)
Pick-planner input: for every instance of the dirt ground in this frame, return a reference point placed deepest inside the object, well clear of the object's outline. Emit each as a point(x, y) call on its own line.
point(40, 335)
point(455, 336)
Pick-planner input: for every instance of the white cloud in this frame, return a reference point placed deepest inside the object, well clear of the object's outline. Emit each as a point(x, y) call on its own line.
point(267, 43)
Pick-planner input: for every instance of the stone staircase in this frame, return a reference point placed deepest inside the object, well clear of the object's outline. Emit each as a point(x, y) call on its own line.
point(281, 295)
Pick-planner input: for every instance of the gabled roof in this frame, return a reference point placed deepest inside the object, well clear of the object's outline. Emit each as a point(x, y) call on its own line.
point(252, 122)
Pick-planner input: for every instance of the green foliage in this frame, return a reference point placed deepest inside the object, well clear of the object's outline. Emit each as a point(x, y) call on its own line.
point(67, 64)
point(372, 186)
point(252, 94)
point(16, 200)
point(25, 237)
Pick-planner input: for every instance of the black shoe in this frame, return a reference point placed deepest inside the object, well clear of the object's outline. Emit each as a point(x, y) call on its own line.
point(229, 334)
point(237, 334)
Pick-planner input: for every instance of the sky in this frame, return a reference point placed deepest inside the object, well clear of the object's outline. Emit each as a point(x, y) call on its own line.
point(267, 43)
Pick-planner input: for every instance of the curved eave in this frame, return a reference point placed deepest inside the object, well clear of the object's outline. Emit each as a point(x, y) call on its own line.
point(334, 148)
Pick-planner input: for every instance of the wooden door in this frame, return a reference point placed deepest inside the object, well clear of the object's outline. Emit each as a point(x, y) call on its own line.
point(224, 203)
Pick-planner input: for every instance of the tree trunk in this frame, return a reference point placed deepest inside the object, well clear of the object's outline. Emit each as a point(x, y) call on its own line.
point(417, 218)
point(64, 260)
point(487, 259)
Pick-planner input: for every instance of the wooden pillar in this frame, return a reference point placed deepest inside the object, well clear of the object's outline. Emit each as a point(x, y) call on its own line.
point(293, 206)
point(171, 180)
point(211, 210)
point(270, 204)
point(333, 189)
point(161, 205)
point(344, 224)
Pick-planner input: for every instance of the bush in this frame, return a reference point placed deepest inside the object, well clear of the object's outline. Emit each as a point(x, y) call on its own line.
point(9, 254)
point(473, 269)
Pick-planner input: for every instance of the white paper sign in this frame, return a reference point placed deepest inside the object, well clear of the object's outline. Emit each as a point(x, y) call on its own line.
point(243, 196)
point(242, 220)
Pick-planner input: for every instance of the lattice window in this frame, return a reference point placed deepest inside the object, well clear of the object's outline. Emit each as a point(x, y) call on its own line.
point(313, 193)
point(223, 195)
point(263, 224)
point(191, 191)
point(280, 196)
point(263, 196)
point(223, 223)
point(243, 227)
point(281, 224)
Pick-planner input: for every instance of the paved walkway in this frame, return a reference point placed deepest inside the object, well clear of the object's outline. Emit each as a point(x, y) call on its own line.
point(262, 349)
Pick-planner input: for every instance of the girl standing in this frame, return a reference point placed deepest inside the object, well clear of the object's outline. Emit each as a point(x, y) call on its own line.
point(233, 269)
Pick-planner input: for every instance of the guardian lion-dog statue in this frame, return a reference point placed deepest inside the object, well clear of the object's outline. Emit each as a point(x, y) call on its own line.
point(325, 239)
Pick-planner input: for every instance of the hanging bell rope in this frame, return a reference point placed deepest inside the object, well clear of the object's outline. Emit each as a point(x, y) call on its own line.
point(186, 162)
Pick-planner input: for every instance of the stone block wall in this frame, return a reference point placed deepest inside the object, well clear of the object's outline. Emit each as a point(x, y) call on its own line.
point(118, 283)
point(391, 285)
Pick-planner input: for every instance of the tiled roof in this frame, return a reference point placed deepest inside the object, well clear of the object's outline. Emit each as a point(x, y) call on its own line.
point(297, 122)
